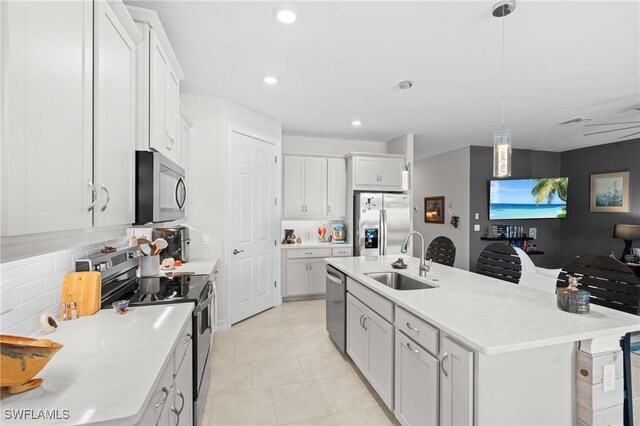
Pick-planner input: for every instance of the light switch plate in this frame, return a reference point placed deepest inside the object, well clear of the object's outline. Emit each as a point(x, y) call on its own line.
point(205, 239)
point(477, 217)
point(476, 228)
point(608, 377)
point(533, 232)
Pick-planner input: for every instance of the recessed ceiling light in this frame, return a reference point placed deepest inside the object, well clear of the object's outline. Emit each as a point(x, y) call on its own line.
point(286, 16)
point(270, 79)
point(356, 123)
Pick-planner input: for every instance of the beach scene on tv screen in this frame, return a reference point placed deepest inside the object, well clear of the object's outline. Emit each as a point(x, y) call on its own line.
point(541, 198)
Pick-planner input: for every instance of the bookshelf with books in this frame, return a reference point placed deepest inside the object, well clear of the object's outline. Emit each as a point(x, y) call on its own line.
point(515, 235)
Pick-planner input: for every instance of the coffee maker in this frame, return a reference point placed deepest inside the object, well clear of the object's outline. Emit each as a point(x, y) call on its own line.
point(178, 241)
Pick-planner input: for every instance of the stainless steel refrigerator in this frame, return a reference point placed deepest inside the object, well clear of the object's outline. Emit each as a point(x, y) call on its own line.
point(381, 222)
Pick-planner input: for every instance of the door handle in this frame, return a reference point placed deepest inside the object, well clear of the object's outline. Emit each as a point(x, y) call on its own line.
point(104, 188)
point(94, 196)
point(182, 398)
point(446, 373)
point(236, 251)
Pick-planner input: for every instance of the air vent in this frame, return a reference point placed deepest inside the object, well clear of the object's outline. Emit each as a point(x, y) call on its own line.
point(574, 121)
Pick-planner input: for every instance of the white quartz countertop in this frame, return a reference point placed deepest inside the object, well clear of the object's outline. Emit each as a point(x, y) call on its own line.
point(488, 315)
point(108, 367)
point(199, 265)
point(314, 244)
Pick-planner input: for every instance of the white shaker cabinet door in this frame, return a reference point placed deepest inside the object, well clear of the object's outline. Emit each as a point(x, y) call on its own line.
point(181, 408)
point(172, 114)
point(456, 383)
point(293, 186)
point(114, 119)
point(357, 339)
point(380, 355)
point(317, 276)
point(416, 383)
point(297, 277)
point(391, 172)
point(367, 171)
point(336, 188)
point(158, 70)
point(315, 187)
point(47, 116)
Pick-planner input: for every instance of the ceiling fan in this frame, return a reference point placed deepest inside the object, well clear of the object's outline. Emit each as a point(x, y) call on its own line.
point(628, 125)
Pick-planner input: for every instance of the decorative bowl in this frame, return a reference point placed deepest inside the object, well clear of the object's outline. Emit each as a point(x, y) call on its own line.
point(121, 306)
point(23, 358)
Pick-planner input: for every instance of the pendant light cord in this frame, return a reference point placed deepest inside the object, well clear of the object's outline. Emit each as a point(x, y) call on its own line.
point(503, 87)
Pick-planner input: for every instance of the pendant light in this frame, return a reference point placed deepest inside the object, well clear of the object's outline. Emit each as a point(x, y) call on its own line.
point(502, 137)
point(405, 85)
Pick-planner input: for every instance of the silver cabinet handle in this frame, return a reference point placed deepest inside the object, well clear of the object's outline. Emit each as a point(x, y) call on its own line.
point(361, 317)
point(163, 400)
point(106, 203)
point(364, 323)
point(94, 196)
point(307, 252)
point(302, 208)
point(187, 338)
point(177, 413)
point(172, 140)
point(412, 328)
point(415, 351)
point(182, 398)
point(236, 251)
point(444, 357)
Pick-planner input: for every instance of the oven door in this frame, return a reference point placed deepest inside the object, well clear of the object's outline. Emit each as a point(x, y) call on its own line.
point(172, 193)
point(204, 313)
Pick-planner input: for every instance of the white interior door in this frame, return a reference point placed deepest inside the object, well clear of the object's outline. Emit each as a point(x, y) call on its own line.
point(252, 265)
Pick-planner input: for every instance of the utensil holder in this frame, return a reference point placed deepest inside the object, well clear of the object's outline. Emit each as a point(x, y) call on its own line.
point(149, 266)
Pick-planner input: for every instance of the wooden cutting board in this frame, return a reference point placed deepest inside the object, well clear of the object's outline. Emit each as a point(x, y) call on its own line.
point(84, 288)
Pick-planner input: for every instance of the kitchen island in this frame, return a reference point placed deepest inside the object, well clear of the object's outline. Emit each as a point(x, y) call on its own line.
point(479, 350)
point(109, 370)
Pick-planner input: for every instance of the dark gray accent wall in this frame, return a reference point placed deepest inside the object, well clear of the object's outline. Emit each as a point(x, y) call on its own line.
point(584, 232)
point(526, 164)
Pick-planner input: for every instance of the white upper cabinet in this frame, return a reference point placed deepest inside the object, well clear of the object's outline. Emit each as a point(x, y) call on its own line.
point(46, 116)
point(114, 117)
point(336, 188)
point(314, 187)
point(185, 124)
point(158, 80)
point(293, 186)
point(377, 173)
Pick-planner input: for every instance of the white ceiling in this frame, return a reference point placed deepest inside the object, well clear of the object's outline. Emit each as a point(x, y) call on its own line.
point(343, 60)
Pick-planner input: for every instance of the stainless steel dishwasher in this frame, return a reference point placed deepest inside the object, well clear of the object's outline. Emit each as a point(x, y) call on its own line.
point(337, 306)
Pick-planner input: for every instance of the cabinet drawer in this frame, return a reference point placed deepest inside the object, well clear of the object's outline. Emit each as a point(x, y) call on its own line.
point(377, 303)
point(304, 253)
point(182, 347)
point(160, 397)
point(342, 252)
point(423, 333)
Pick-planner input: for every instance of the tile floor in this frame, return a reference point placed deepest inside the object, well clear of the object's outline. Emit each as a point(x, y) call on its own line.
point(280, 367)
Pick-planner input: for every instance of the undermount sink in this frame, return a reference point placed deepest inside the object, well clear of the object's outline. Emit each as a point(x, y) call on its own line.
point(398, 281)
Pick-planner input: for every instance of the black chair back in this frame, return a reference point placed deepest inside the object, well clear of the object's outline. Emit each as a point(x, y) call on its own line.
point(442, 251)
point(610, 282)
point(500, 261)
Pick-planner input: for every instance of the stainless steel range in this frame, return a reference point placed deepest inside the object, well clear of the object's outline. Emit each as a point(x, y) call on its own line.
point(119, 282)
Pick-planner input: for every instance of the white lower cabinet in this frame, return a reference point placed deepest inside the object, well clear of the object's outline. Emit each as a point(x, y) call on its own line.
point(370, 344)
point(317, 280)
point(456, 383)
point(304, 271)
point(416, 383)
point(181, 411)
point(297, 277)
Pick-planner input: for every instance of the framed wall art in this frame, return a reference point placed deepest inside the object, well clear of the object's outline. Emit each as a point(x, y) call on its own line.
point(610, 192)
point(434, 209)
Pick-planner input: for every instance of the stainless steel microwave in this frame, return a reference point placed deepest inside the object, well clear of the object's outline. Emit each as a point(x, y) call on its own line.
point(161, 191)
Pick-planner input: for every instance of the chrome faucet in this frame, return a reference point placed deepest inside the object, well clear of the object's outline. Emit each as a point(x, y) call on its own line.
point(424, 268)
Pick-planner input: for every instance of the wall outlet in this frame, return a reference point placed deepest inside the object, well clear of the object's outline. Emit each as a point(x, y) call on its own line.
point(533, 232)
point(477, 217)
point(608, 377)
point(476, 228)
point(205, 239)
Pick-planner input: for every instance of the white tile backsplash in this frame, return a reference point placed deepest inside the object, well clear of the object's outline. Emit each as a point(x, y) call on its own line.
point(31, 286)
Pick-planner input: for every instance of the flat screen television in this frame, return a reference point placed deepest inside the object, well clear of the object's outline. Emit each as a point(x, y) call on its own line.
point(540, 198)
